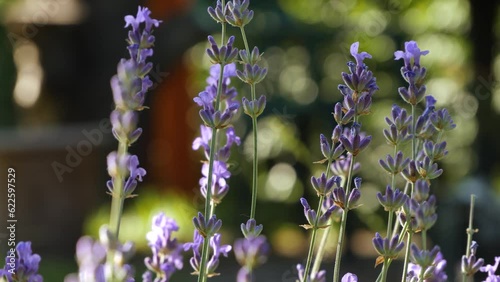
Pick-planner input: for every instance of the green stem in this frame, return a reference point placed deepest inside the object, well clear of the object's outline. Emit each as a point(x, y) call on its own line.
point(255, 169)
point(245, 41)
point(414, 137)
point(326, 233)
point(313, 239)
point(413, 157)
point(424, 239)
point(209, 205)
point(396, 224)
point(385, 267)
point(117, 197)
point(389, 224)
point(340, 243)
point(407, 255)
point(470, 232)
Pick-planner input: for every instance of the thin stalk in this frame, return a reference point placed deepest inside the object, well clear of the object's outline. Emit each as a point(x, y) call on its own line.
point(470, 232)
point(385, 267)
point(389, 225)
point(313, 239)
point(413, 157)
point(414, 137)
point(396, 224)
point(325, 235)
point(389, 261)
point(340, 243)
point(255, 168)
point(118, 197)
point(424, 239)
point(245, 41)
point(116, 210)
point(407, 255)
point(209, 206)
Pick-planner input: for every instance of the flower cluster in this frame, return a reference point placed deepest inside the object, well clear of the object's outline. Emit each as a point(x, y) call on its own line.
point(415, 207)
point(336, 196)
point(106, 260)
point(207, 99)
point(129, 87)
point(166, 252)
point(21, 265)
point(93, 265)
point(471, 264)
point(217, 250)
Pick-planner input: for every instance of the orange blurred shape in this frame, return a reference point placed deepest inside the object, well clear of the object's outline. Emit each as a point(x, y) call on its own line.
point(170, 165)
point(167, 8)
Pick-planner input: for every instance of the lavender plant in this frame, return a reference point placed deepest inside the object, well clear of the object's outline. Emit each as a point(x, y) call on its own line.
point(335, 192)
point(219, 107)
point(411, 209)
point(106, 260)
point(129, 86)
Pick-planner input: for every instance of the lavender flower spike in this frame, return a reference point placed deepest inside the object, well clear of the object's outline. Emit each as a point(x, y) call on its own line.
point(21, 265)
point(166, 252)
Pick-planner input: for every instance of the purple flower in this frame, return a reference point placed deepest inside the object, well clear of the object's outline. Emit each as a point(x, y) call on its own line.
point(207, 227)
point(226, 54)
point(92, 262)
point(141, 37)
point(220, 173)
point(471, 265)
point(251, 229)
point(252, 74)
point(432, 261)
point(322, 185)
point(491, 269)
point(23, 263)
point(238, 14)
point(387, 247)
point(392, 200)
point(411, 51)
point(218, 13)
point(412, 73)
point(251, 252)
point(394, 166)
point(131, 82)
point(90, 256)
point(355, 143)
point(349, 277)
point(217, 250)
point(311, 215)
point(166, 252)
point(319, 276)
point(442, 120)
point(341, 166)
point(211, 115)
point(204, 140)
point(359, 56)
point(124, 167)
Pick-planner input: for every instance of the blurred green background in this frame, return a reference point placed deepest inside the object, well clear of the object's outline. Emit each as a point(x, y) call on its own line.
point(56, 59)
